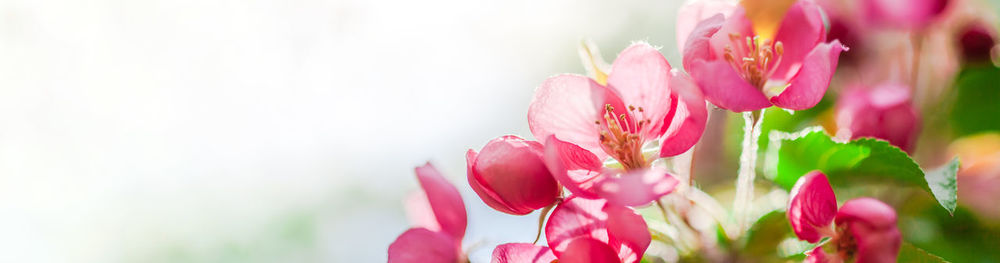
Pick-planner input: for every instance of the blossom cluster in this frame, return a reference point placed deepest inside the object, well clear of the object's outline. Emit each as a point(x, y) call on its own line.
point(607, 144)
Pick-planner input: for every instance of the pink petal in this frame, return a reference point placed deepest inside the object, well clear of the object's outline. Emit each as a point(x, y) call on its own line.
point(636, 188)
point(687, 123)
point(419, 245)
point(576, 217)
point(567, 106)
point(872, 224)
point(693, 12)
point(736, 23)
point(573, 167)
point(627, 231)
point(641, 75)
point(587, 250)
point(522, 253)
point(445, 201)
point(510, 176)
point(800, 31)
point(811, 207)
point(808, 86)
point(698, 46)
point(419, 212)
point(902, 14)
point(724, 88)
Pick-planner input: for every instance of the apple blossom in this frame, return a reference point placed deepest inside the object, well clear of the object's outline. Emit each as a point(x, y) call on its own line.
point(438, 240)
point(884, 111)
point(509, 175)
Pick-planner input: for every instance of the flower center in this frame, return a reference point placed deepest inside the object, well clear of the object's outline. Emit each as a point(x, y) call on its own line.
point(846, 245)
point(753, 58)
point(621, 136)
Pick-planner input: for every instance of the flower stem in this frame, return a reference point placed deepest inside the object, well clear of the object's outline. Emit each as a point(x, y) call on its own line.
point(743, 201)
point(541, 221)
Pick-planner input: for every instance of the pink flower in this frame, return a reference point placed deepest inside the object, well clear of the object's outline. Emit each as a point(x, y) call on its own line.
point(908, 14)
point(510, 176)
point(582, 122)
point(522, 253)
point(740, 71)
point(863, 230)
point(580, 229)
point(884, 111)
point(438, 240)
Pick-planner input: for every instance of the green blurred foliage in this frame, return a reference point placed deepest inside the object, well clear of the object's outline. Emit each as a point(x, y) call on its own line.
point(977, 101)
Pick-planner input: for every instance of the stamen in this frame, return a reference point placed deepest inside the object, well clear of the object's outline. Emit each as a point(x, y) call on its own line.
point(757, 58)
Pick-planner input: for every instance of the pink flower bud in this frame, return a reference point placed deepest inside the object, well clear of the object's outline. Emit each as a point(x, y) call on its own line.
point(510, 175)
point(977, 40)
point(883, 112)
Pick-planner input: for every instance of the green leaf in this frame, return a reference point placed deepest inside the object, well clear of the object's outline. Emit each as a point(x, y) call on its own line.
point(791, 155)
point(864, 160)
point(910, 253)
point(764, 236)
point(944, 185)
point(975, 108)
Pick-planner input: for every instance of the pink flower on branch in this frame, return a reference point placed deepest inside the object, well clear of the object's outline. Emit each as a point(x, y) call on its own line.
point(441, 219)
point(741, 71)
point(862, 230)
point(884, 112)
point(583, 122)
point(510, 175)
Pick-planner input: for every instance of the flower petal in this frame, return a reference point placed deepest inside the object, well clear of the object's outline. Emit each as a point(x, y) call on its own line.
point(685, 126)
point(801, 30)
point(724, 88)
point(641, 75)
point(636, 188)
point(574, 218)
point(692, 12)
point(628, 232)
point(737, 24)
point(567, 106)
point(587, 250)
point(698, 46)
point(445, 201)
point(419, 245)
point(872, 224)
point(573, 167)
point(812, 207)
point(419, 212)
point(817, 255)
point(522, 253)
point(510, 175)
point(809, 84)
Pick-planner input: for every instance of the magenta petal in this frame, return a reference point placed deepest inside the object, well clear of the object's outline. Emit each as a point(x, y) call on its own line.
point(691, 13)
point(573, 167)
point(445, 201)
point(698, 46)
point(628, 231)
point(636, 188)
point(687, 124)
point(587, 250)
point(576, 217)
point(567, 106)
point(800, 31)
point(808, 86)
point(812, 207)
point(873, 227)
point(510, 175)
point(419, 245)
point(522, 253)
point(724, 88)
point(641, 75)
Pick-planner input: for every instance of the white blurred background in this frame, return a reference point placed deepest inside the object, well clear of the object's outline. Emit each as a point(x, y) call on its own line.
point(268, 131)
